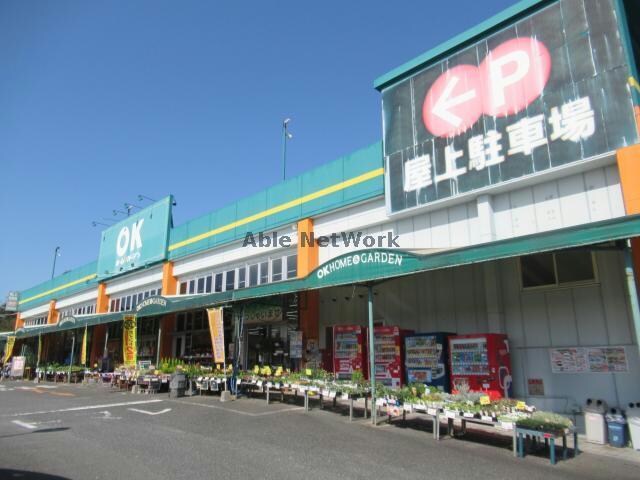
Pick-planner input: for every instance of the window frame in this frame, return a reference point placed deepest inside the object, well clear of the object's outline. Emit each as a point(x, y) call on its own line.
point(557, 285)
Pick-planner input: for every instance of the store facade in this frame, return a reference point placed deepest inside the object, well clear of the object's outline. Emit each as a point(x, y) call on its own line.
point(502, 200)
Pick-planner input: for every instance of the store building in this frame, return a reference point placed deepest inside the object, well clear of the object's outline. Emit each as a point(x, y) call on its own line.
point(504, 198)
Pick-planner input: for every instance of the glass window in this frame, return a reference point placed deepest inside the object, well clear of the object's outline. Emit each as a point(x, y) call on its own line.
point(575, 266)
point(201, 285)
point(117, 309)
point(188, 324)
point(192, 286)
point(292, 266)
point(264, 272)
point(159, 291)
point(180, 323)
point(208, 286)
point(134, 301)
point(253, 275)
point(146, 294)
point(241, 276)
point(140, 297)
point(218, 284)
point(112, 307)
point(230, 278)
point(537, 270)
point(276, 269)
point(183, 288)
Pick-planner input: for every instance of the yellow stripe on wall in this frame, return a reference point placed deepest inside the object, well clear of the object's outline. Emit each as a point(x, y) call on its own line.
point(282, 207)
point(61, 287)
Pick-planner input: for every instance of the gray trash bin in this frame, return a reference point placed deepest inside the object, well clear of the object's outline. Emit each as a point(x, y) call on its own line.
point(177, 385)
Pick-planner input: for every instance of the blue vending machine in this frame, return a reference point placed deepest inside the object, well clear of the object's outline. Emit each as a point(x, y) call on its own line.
point(426, 359)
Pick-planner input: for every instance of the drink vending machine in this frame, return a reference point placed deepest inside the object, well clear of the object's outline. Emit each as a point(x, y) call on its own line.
point(389, 343)
point(349, 352)
point(483, 362)
point(426, 359)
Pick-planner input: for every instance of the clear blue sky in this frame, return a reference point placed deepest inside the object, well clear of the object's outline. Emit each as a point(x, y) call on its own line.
point(101, 101)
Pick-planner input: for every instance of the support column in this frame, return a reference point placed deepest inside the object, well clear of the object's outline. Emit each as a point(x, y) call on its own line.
point(52, 316)
point(629, 167)
point(308, 257)
point(493, 297)
point(168, 325)
point(169, 282)
point(19, 322)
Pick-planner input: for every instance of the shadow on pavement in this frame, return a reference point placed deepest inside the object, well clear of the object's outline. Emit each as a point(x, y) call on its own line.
point(42, 430)
point(7, 474)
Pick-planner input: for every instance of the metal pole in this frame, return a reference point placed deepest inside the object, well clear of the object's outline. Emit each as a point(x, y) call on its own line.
point(632, 290)
point(73, 346)
point(372, 359)
point(55, 256)
point(284, 151)
point(158, 348)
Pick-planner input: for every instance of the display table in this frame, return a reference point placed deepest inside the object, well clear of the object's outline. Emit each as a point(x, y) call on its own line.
point(549, 440)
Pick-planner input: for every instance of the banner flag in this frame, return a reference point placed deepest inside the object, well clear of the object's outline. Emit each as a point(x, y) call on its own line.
point(83, 351)
point(216, 328)
point(129, 340)
point(8, 349)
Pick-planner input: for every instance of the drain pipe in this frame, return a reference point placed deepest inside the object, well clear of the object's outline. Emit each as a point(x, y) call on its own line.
point(632, 291)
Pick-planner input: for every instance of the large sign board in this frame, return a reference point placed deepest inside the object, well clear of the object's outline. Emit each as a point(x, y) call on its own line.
point(11, 304)
point(548, 90)
point(139, 240)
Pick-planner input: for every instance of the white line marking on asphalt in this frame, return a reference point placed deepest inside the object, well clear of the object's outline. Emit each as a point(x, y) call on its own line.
point(240, 412)
point(148, 412)
point(86, 407)
point(29, 426)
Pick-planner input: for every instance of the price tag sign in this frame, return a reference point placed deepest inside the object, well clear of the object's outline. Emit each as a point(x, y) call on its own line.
point(308, 372)
point(521, 406)
point(485, 400)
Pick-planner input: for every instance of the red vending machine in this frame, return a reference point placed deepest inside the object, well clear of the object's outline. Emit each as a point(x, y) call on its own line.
point(481, 361)
point(389, 344)
point(349, 353)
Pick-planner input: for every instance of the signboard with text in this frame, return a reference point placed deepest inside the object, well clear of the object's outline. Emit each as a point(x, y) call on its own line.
point(141, 239)
point(546, 91)
point(13, 299)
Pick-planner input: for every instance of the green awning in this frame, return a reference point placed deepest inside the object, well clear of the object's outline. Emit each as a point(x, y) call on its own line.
point(371, 265)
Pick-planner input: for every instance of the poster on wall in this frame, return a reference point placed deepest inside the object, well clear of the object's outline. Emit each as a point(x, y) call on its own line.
point(546, 91)
point(295, 344)
point(589, 360)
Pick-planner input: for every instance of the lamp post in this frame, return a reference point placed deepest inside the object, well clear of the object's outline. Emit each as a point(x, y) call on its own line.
point(56, 254)
point(286, 135)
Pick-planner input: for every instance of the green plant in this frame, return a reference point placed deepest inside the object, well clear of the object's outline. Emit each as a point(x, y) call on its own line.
point(544, 421)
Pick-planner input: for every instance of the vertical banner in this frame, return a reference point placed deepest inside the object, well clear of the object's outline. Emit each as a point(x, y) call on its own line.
point(83, 349)
point(8, 349)
point(216, 327)
point(129, 340)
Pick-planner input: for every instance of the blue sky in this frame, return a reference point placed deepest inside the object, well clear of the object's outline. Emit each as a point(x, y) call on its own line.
point(102, 101)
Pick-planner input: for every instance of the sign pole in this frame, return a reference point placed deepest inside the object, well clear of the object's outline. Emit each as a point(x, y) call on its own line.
point(73, 346)
point(372, 365)
point(158, 347)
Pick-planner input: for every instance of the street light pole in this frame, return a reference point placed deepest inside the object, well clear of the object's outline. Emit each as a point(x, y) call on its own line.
point(56, 254)
point(285, 136)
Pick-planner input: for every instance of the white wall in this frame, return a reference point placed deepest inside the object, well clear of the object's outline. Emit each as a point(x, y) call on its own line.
point(135, 281)
point(460, 300)
point(78, 298)
point(579, 198)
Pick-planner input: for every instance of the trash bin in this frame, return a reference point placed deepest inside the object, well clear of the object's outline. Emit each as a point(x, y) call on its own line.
point(177, 385)
point(633, 418)
point(594, 421)
point(617, 426)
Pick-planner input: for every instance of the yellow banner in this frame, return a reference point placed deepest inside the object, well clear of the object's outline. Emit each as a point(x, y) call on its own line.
point(129, 340)
point(216, 328)
point(83, 351)
point(8, 349)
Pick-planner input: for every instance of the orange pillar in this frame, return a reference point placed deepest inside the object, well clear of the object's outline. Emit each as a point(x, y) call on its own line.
point(169, 282)
point(629, 168)
point(99, 331)
point(19, 322)
point(52, 316)
point(308, 258)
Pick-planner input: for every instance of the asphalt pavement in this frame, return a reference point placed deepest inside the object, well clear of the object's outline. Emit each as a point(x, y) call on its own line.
point(94, 432)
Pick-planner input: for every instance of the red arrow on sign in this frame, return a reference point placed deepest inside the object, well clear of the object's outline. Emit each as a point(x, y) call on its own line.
point(453, 103)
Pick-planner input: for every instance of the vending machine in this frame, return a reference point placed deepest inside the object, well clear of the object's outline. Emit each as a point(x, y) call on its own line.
point(426, 359)
point(483, 362)
point(389, 343)
point(349, 352)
